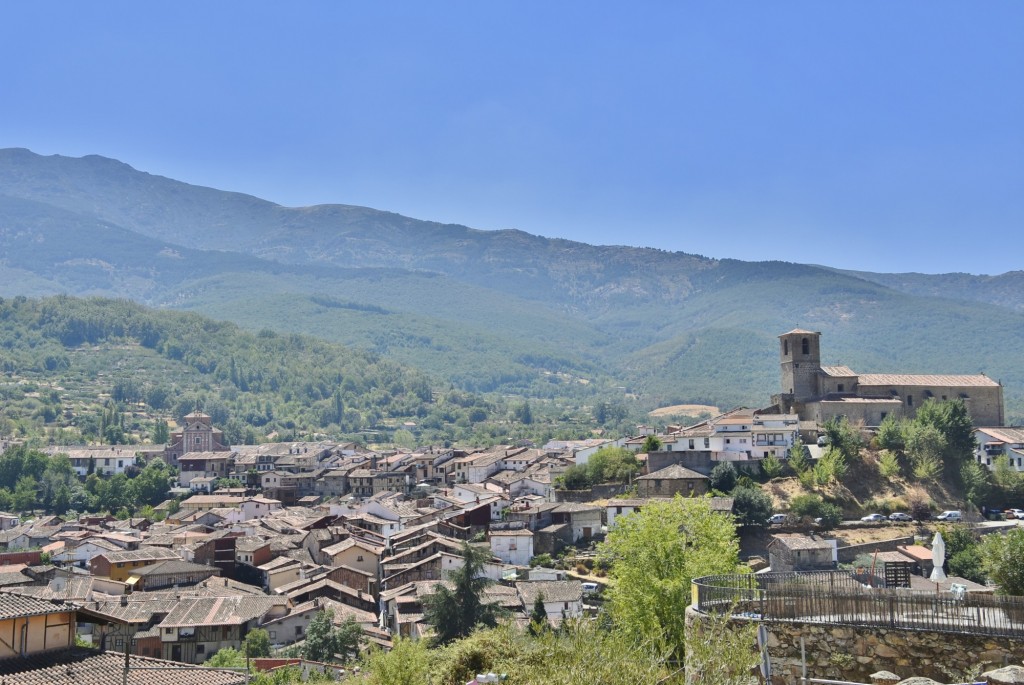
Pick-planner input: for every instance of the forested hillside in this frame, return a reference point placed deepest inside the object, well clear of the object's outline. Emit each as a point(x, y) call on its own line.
point(110, 370)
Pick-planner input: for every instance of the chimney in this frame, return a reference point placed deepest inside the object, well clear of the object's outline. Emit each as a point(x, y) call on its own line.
point(124, 600)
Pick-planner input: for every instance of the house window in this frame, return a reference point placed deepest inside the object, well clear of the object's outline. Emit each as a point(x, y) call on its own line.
point(728, 440)
point(691, 443)
point(359, 558)
point(168, 631)
point(200, 649)
point(910, 400)
point(690, 485)
point(657, 483)
point(707, 442)
point(841, 387)
point(566, 604)
point(805, 346)
point(273, 634)
point(298, 630)
point(785, 347)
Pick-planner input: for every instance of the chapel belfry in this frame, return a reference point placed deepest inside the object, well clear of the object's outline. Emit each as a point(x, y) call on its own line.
point(800, 363)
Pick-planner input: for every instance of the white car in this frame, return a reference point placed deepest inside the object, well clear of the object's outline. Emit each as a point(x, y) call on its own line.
point(872, 518)
point(777, 519)
point(900, 516)
point(952, 515)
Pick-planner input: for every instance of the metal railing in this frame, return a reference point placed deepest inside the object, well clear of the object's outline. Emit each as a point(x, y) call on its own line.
point(836, 598)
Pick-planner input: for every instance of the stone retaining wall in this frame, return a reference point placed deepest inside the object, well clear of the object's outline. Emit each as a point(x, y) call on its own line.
point(854, 653)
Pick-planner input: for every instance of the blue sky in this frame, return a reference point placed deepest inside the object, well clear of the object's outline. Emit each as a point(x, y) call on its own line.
point(884, 136)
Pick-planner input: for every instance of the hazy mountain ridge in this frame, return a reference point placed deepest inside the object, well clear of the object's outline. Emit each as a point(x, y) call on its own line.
point(1003, 290)
point(488, 309)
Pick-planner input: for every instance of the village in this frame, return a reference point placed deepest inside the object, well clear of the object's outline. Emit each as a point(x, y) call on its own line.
point(270, 536)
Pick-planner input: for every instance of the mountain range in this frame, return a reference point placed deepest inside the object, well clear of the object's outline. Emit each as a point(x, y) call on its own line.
point(488, 310)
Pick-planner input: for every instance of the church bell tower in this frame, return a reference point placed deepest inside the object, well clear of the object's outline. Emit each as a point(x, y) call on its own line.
point(800, 363)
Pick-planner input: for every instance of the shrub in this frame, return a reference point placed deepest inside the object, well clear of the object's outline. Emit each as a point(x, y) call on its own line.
point(814, 507)
point(919, 510)
point(543, 560)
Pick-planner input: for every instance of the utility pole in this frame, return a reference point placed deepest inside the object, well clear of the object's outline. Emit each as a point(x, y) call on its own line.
point(127, 657)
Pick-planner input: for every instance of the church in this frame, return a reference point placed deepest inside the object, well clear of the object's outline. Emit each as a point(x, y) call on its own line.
point(818, 393)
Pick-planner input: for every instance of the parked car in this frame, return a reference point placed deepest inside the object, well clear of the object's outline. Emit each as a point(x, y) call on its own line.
point(952, 515)
point(872, 518)
point(776, 519)
point(1014, 513)
point(900, 516)
point(823, 441)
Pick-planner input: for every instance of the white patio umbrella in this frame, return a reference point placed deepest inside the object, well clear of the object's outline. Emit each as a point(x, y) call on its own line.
point(938, 558)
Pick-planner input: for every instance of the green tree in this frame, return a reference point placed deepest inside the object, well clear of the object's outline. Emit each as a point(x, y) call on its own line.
point(522, 413)
point(539, 616)
point(843, 437)
point(1004, 474)
point(652, 443)
point(576, 477)
point(723, 477)
point(655, 553)
point(456, 608)
point(326, 643)
point(25, 494)
point(612, 464)
point(952, 421)
point(771, 467)
point(832, 467)
point(1001, 555)
point(888, 464)
point(798, 460)
point(752, 506)
point(152, 485)
point(977, 485)
point(890, 434)
point(256, 643)
point(161, 433)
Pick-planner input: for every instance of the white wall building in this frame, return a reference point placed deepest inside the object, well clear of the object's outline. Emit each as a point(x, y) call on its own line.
point(993, 443)
point(512, 546)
